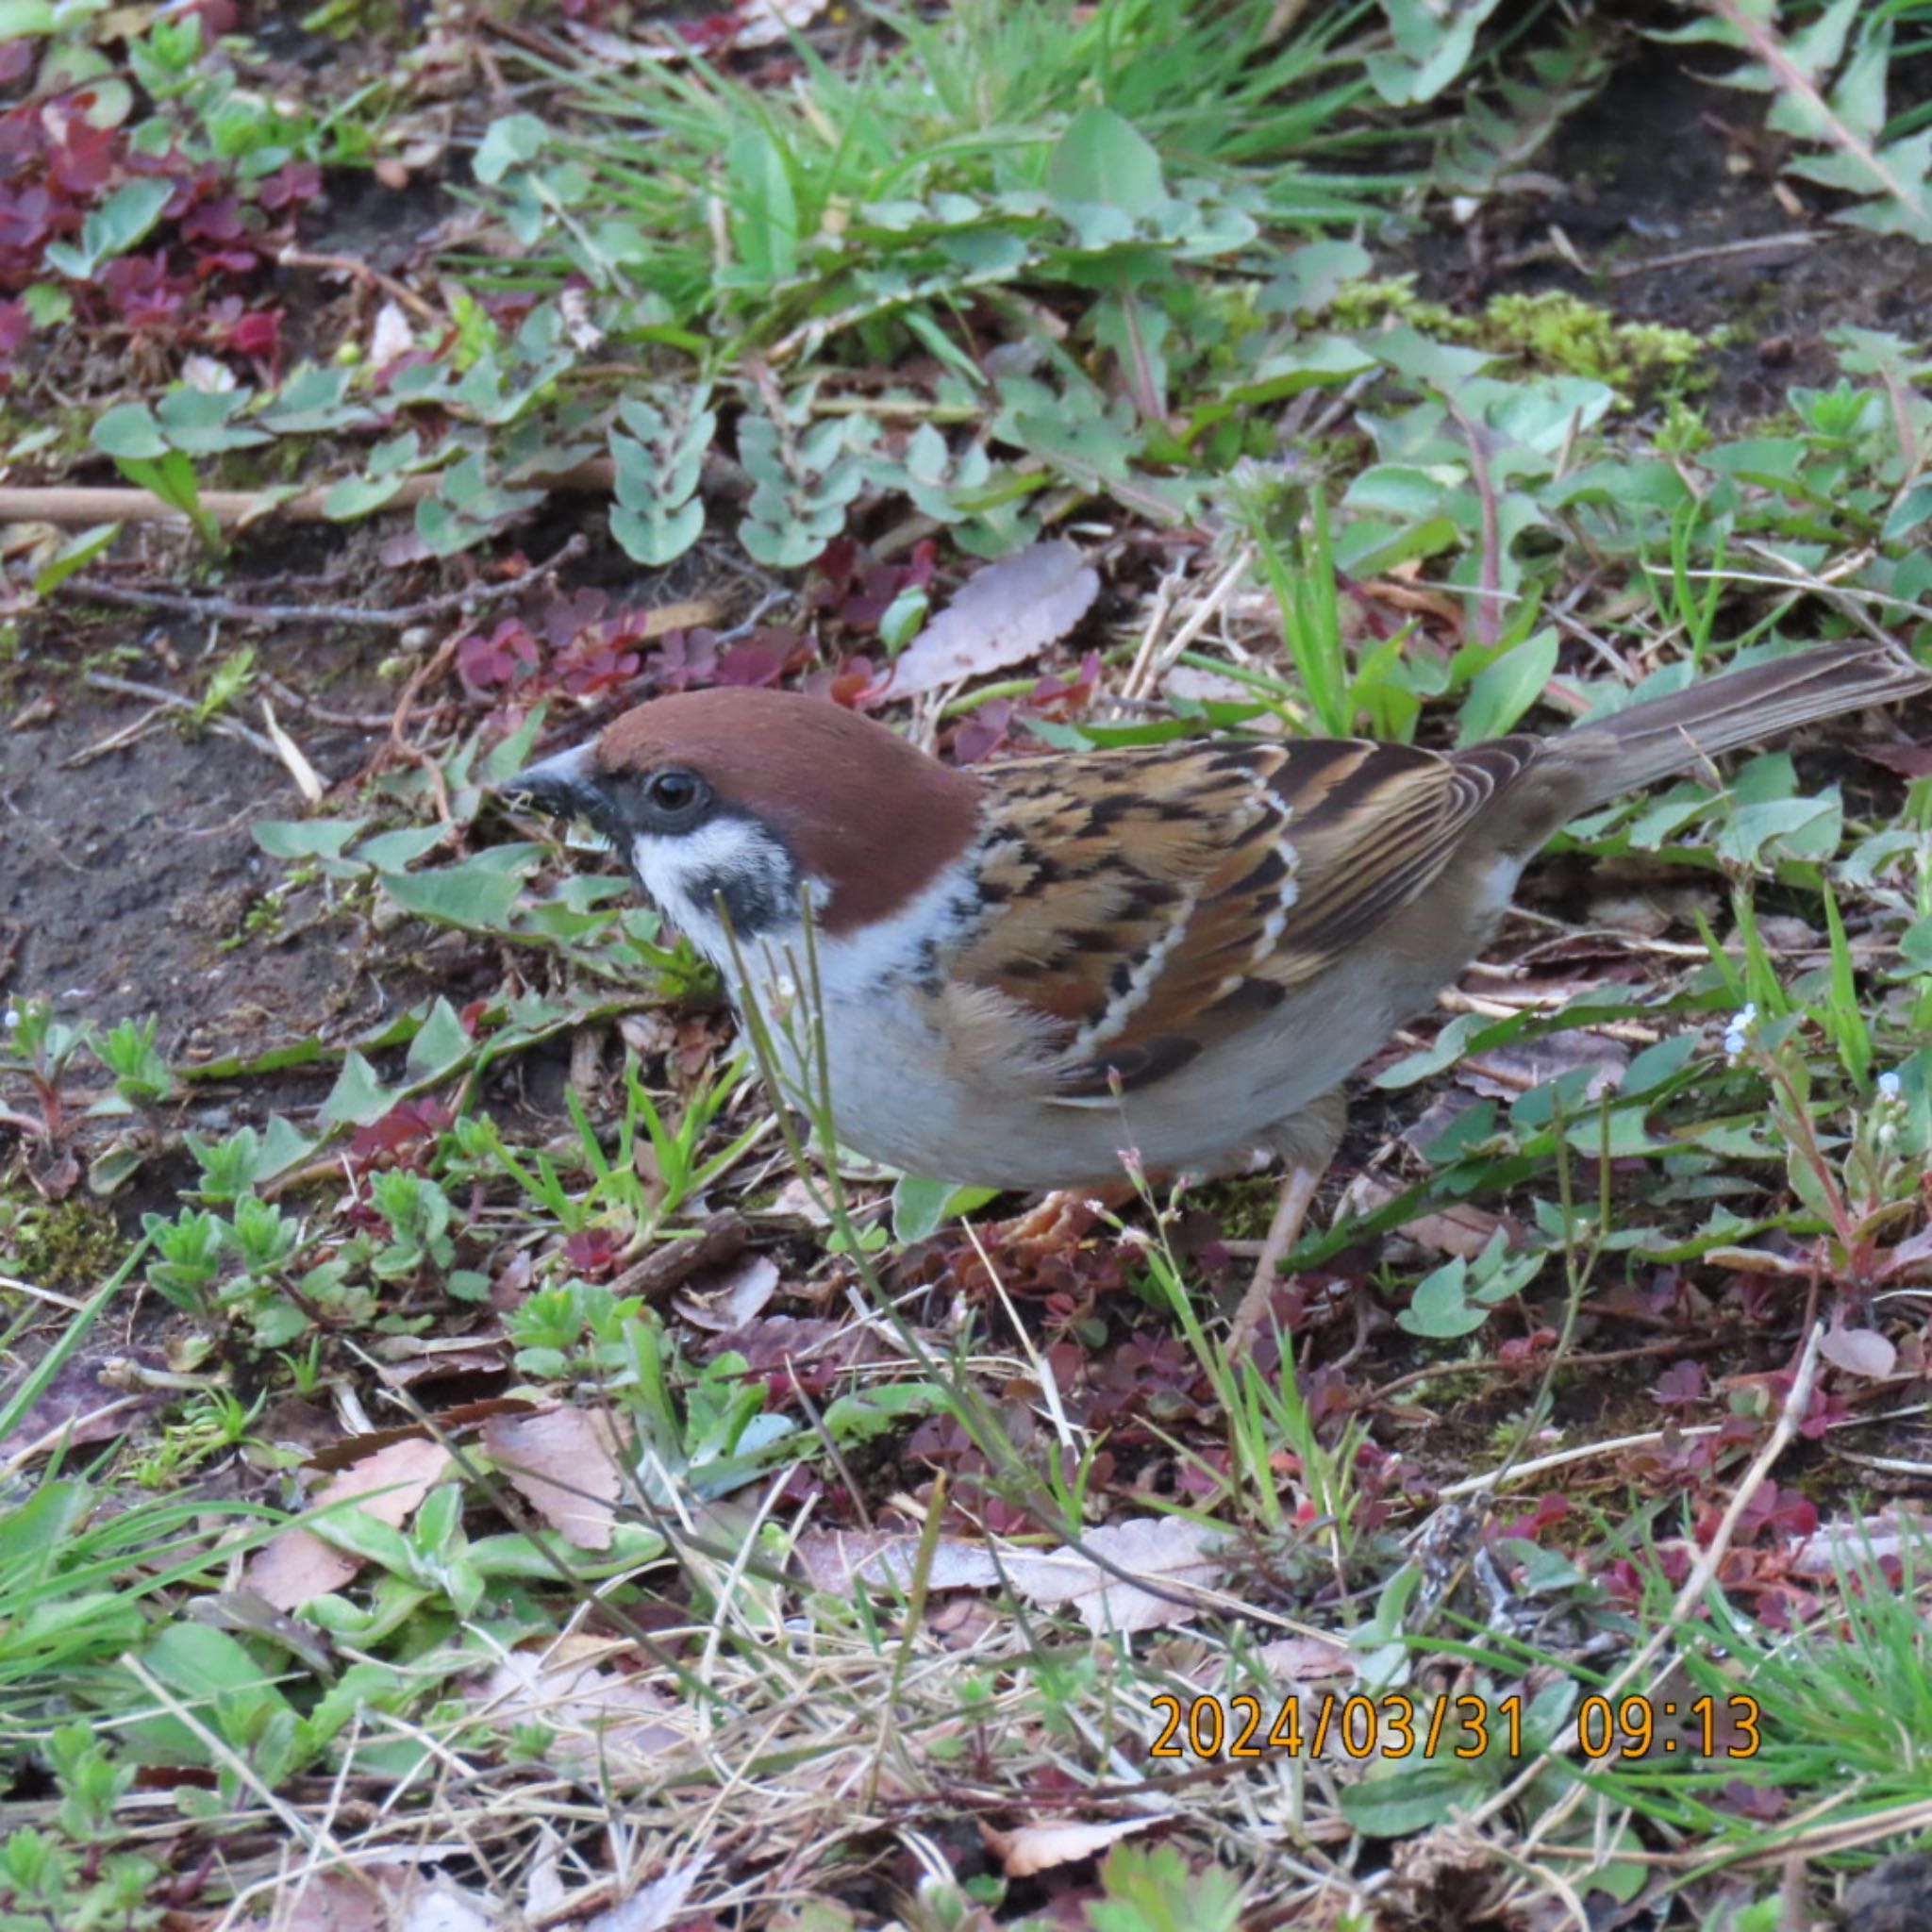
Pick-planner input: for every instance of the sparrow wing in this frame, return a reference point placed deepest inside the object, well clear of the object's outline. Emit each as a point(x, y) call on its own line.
point(1154, 901)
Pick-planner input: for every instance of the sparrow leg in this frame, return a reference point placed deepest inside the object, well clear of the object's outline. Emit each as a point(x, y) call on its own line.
point(1040, 1221)
point(1309, 1142)
point(1290, 1210)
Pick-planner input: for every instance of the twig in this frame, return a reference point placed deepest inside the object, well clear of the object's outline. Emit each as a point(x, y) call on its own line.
point(362, 272)
point(470, 597)
point(399, 745)
point(154, 695)
point(1791, 238)
point(669, 1265)
point(68, 504)
point(378, 721)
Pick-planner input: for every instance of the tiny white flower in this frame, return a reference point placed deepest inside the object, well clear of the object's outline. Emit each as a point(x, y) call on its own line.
point(1737, 1034)
point(1888, 1087)
point(10, 1019)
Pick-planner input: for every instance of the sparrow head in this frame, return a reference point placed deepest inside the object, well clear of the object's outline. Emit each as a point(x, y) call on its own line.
point(754, 798)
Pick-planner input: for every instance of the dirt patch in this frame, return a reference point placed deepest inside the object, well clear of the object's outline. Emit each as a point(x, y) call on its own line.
point(131, 873)
point(1665, 168)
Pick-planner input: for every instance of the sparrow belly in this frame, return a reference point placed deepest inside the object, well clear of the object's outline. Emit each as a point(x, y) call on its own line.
point(960, 1084)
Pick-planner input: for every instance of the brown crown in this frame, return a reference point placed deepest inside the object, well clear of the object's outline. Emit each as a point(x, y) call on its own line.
point(856, 805)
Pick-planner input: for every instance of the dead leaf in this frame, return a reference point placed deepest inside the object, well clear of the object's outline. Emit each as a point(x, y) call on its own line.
point(1907, 761)
point(1003, 615)
point(297, 1564)
point(1511, 1069)
point(1163, 1549)
point(331, 1901)
point(1858, 1352)
point(82, 1405)
point(1212, 687)
point(1837, 1547)
point(441, 1905)
point(836, 1561)
point(602, 1722)
point(731, 1300)
point(383, 1897)
point(1462, 1229)
point(653, 1906)
point(563, 1462)
point(1166, 1550)
point(452, 1424)
point(1305, 1657)
point(390, 337)
point(1035, 1848)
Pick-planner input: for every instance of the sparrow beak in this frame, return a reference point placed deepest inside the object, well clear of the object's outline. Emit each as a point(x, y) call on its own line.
point(564, 786)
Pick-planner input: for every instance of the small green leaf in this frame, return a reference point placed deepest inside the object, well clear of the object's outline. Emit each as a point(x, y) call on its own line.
point(764, 218)
point(466, 895)
point(130, 430)
point(1439, 1306)
point(305, 838)
point(357, 1097)
point(75, 554)
point(1104, 160)
point(350, 497)
point(515, 140)
point(921, 1206)
point(440, 1045)
point(393, 851)
point(197, 421)
point(112, 228)
point(1501, 692)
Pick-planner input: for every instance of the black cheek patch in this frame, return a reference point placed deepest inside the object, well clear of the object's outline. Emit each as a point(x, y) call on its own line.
point(754, 902)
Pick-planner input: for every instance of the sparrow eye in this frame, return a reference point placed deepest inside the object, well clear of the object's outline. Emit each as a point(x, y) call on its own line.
point(674, 799)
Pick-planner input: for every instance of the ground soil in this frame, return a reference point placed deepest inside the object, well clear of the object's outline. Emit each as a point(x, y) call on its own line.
point(1665, 167)
point(131, 873)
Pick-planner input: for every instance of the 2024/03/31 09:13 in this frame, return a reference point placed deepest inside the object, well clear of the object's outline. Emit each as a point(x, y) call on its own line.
point(1466, 1726)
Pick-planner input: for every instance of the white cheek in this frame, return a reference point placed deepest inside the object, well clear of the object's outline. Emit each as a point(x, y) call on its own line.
point(684, 876)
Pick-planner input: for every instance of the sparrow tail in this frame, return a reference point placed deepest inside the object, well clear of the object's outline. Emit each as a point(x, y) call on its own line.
point(1665, 735)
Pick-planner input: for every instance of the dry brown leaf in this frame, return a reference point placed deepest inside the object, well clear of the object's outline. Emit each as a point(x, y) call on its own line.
point(1003, 615)
point(385, 1897)
point(1303, 1658)
point(1212, 687)
point(331, 1901)
point(1835, 1547)
point(1463, 1230)
point(1164, 1550)
point(563, 1462)
point(1511, 1070)
point(1053, 1841)
point(441, 1905)
point(838, 1561)
point(1858, 1352)
point(653, 1906)
point(297, 1564)
point(603, 1722)
point(731, 1300)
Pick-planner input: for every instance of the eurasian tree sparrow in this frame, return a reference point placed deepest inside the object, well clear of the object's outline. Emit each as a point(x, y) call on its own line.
point(1182, 949)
